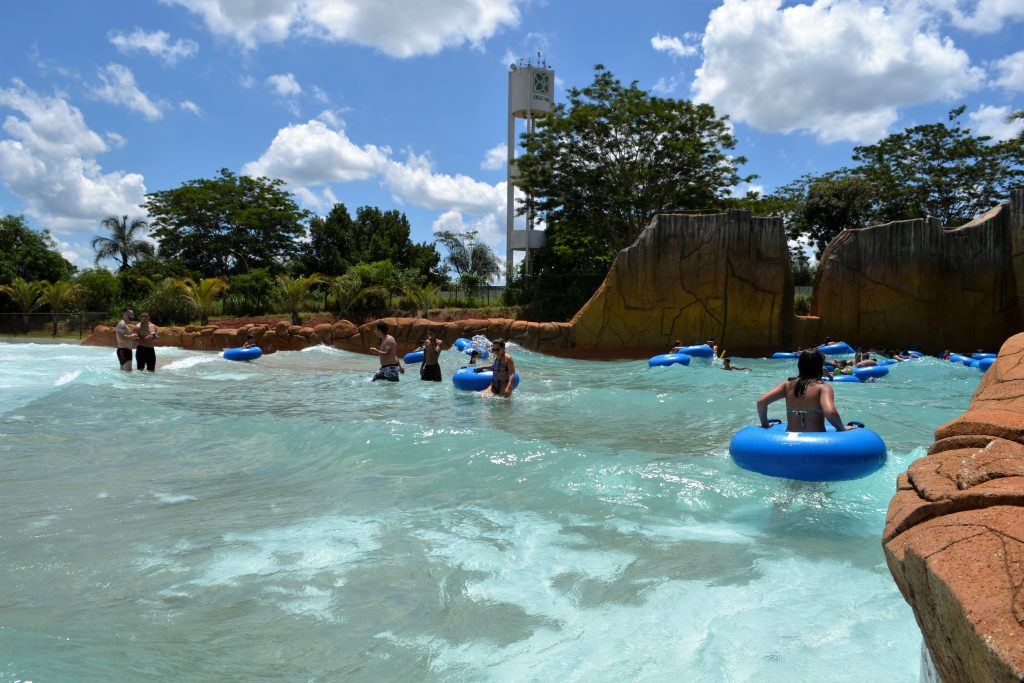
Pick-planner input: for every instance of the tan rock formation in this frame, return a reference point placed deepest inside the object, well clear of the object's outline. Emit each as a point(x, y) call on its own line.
point(691, 277)
point(918, 284)
point(954, 535)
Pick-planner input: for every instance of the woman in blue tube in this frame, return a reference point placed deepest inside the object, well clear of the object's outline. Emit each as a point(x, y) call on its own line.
point(809, 400)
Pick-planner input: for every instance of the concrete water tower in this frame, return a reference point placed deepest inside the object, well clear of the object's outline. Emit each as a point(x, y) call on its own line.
point(531, 93)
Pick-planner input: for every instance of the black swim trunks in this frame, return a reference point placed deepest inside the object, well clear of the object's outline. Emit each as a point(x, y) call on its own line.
point(387, 372)
point(124, 356)
point(430, 373)
point(145, 358)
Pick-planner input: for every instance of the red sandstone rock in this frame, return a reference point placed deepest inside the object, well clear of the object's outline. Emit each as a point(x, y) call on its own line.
point(954, 534)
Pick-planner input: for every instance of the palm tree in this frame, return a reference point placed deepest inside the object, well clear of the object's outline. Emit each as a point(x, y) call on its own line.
point(59, 295)
point(348, 291)
point(122, 245)
point(202, 295)
point(422, 297)
point(25, 296)
point(467, 256)
point(294, 291)
point(164, 299)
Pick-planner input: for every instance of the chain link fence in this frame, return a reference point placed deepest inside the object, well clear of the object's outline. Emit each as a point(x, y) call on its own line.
point(78, 324)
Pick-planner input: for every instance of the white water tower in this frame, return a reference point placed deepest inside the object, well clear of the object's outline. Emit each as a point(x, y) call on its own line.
point(531, 93)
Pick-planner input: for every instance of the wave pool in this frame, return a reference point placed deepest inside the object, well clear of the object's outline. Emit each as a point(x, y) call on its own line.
point(286, 519)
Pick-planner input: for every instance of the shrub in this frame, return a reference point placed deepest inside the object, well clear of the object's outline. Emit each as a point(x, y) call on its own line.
point(802, 304)
point(99, 291)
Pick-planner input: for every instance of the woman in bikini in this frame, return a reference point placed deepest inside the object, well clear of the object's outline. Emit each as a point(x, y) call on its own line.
point(504, 369)
point(809, 400)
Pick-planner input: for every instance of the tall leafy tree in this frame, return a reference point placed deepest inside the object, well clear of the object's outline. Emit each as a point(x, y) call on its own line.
point(347, 290)
point(940, 169)
point(227, 224)
point(613, 156)
point(26, 297)
point(469, 257)
point(294, 292)
point(123, 244)
point(202, 295)
point(58, 296)
point(29, 254)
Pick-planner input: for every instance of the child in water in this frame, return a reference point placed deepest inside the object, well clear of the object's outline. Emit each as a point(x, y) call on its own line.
point(473, 355)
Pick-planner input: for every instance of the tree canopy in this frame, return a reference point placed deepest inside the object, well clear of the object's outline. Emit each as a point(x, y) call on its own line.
point(123, 244)
point(227, 224)
point(29, 254)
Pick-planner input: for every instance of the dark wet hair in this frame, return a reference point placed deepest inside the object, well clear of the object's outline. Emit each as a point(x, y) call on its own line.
point(127, 309)
point(474, 353)
point(810, 365)
point(711, 339)
point(500, 343)
point(382, 326)
point(677, 343)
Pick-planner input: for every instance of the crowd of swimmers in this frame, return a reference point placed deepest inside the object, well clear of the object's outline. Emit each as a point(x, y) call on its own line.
point(503, 367)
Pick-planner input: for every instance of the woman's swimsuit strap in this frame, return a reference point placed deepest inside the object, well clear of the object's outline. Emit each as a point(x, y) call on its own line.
point(804, 413)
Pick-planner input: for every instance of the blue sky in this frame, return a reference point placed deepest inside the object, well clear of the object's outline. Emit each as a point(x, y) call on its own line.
point(397, 103)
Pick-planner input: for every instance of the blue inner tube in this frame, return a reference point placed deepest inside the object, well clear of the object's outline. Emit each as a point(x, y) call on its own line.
point(243, 354)
point(836, 349)
point(666, 359)
point(697, 351)
point(786, 354)
point(808, 456)
point(843, 378)
point(967, 362)
point(873, 372)
point(888, 361)
point(462, 343)
point(413, 357)
point(985, 363)
point(979, 356)
point(915, 354)
point(468, 380)
point(956, 358)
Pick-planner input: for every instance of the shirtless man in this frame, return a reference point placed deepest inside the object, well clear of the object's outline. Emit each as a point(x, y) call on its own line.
point(504, 369)
point(727, 365)
point(145, 354)
point(388, 353)
point(125, 339)
point(430, 370)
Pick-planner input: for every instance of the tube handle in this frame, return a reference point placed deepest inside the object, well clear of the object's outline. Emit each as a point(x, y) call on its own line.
point(855, 424)
point(774, 421)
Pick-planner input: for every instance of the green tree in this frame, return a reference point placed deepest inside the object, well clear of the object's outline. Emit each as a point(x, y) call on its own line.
point(58, 296)
point(123, 245)
point(613, 156)
point(334, 242)
point(165, 302)
point(25, 296)
point(347, 290)
point(227, 224)
point(422, 297)
point(251, 293)
point(294, 292)
point(939, 169)
point(202, 295)
point(473, 262)
point(100, 290)
point(29, 254)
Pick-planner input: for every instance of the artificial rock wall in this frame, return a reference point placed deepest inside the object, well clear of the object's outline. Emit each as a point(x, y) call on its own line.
point(690, 277)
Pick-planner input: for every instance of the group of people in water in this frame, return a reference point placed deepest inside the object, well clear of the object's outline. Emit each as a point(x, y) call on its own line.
point(502, 368)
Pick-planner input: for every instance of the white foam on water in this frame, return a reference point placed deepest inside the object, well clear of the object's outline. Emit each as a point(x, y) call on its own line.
point(798, 619)
point(171, 498)
point(67, 377)
point(190, 362)
point(298, 551)
point(310, 601)
point(688, 529)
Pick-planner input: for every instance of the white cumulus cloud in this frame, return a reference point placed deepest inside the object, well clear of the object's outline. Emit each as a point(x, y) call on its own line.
point(192, 107)
point(48, 159)
point(837, 68)
point(414, 180)
point(117, 86)
point(399, 29)
point(284, 85)
point(156, 43)
point(1009, 72)
point(672, 45)
point(495, 158)
point(982, 16)
point(994, 122)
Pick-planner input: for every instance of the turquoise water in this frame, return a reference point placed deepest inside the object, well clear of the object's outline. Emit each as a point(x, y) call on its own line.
point(286, 519)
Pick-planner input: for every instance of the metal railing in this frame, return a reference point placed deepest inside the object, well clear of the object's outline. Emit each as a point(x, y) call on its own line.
point(41, 324)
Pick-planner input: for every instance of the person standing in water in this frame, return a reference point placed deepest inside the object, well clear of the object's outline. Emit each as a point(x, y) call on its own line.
point(504, 369)
point(809, 400)
point(430, 370)
point(125, 339)
point(388, 353)
point(145, 354)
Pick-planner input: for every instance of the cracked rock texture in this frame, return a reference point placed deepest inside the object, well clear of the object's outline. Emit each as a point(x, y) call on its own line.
point(916, 283)
point(954, 534)
point(690, 277)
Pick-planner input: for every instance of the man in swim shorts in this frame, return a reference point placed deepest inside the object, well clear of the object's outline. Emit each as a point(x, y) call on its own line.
point(145, 354)
point(430, 369)
point(125, 339)
point(390, 368)
point(504, 369)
